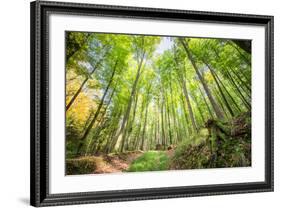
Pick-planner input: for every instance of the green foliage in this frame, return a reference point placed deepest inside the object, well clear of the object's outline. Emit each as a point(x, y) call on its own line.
point(150, 161)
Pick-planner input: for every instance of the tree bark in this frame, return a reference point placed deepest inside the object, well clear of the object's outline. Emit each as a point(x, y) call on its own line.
point(215, 106)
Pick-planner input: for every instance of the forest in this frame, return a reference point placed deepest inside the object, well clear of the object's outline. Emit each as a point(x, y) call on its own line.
point(150, 103)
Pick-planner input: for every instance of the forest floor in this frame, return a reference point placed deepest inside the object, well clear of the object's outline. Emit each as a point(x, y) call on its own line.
point(114, 163)
point(130, 161)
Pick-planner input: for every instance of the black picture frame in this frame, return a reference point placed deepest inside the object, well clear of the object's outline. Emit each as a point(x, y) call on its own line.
point(39, 176)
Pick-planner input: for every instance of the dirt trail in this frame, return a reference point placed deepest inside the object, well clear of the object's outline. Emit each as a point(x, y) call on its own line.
point(170, 153)
point(115, 163)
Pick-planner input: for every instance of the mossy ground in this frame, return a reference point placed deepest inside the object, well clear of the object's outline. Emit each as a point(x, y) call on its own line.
point(150, 161)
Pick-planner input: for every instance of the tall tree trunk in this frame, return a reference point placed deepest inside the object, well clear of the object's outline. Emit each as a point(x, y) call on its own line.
point(144, 125)
point(185, 114)
point(98, 111)
point(244, 100)
point(189, 107)
point(215, 106)
point(169, 122)
point(206, 103)
point(220, 90)
point(220, 102)
point(158, 122)
point(136, 143)
point(227, 92)
point(242, 83)
point(129, 127)
point(127, 113)
point(163, 137)
point(199, 109)
point(115, 128)
point(88, 120)
point(175, 125)
point(101, 123)
point(156, 126)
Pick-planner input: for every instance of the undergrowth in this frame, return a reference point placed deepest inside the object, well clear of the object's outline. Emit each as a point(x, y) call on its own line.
point(150, 161)
point(221, 144)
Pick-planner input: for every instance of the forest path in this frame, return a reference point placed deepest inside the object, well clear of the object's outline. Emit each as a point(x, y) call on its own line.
point(114, 163)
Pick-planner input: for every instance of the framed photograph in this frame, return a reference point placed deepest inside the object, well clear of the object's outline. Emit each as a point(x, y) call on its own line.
point(131, 103)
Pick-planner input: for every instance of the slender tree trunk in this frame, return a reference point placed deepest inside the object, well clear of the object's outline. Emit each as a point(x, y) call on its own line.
point(227, 92)
point(220, 90)
point(169, 123)
point(156, 126)
point(163, 125)
point(220, 102)
point(151, 133)
point(98, 110)
point(244, 100)
point(127, 113)
point(175, 125)
point(206, 103)
point(136, 143)
point(129, 130)
point(199, 109)
point(158, 122)
point(101, 123)
point(144, 125)
point(115, 128)
point(243, 84)
point(82, 85)
point(189, 107)
point(88, 120)
point(185, 114)
point(76, 94)
point(206, 88)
